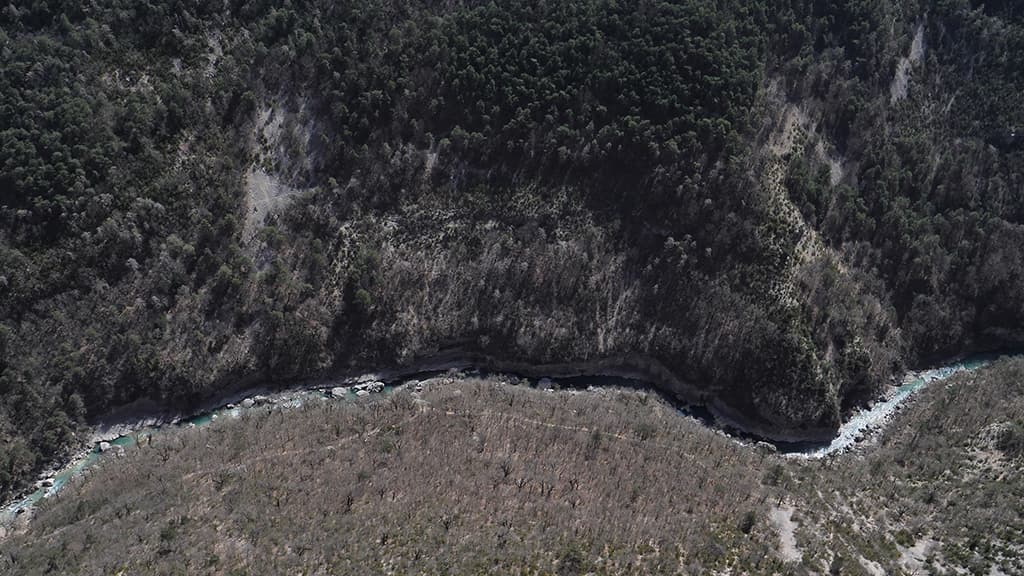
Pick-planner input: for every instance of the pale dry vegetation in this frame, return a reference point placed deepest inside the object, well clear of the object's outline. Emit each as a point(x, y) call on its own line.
point(946, 477)
point(494, 476)
point(472, 477)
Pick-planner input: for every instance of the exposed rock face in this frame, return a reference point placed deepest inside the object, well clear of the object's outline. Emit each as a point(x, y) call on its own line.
point(901, 81)
point(373, 387)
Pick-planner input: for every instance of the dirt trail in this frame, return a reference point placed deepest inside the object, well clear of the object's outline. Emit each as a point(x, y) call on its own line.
point(782, 519)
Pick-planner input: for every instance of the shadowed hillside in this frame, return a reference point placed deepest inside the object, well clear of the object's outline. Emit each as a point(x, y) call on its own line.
point(784, 203)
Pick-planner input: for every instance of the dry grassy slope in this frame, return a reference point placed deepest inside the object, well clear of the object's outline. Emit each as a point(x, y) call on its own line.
point(478, 476)
point(941, 491)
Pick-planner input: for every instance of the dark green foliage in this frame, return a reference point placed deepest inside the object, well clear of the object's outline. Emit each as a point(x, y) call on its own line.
point(557, 181)
point(932, 209)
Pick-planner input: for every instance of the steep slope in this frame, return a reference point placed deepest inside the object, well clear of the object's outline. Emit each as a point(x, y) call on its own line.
point(195, 196)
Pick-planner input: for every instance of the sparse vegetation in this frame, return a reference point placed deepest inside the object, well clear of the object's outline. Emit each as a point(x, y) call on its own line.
point(470, 476)
point(484, 475)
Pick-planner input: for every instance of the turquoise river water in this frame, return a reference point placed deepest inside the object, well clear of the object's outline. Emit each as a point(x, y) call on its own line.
point(849, 433)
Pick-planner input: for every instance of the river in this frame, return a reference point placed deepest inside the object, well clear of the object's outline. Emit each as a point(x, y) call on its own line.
point(851, 432)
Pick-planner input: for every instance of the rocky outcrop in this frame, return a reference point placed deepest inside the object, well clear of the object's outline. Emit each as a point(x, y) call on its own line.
point(372, 387)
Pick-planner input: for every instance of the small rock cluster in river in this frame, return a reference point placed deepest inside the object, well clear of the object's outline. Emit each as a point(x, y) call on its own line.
point(361, 389)
point(107, 447)
point(368, 388)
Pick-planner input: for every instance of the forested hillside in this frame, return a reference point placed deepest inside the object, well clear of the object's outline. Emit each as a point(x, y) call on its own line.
point(785, 202)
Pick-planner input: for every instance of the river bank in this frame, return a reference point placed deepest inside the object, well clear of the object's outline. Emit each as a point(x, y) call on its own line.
point(133, 424)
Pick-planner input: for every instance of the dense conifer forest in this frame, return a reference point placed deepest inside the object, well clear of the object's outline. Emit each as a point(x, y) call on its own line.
point(784, 202)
